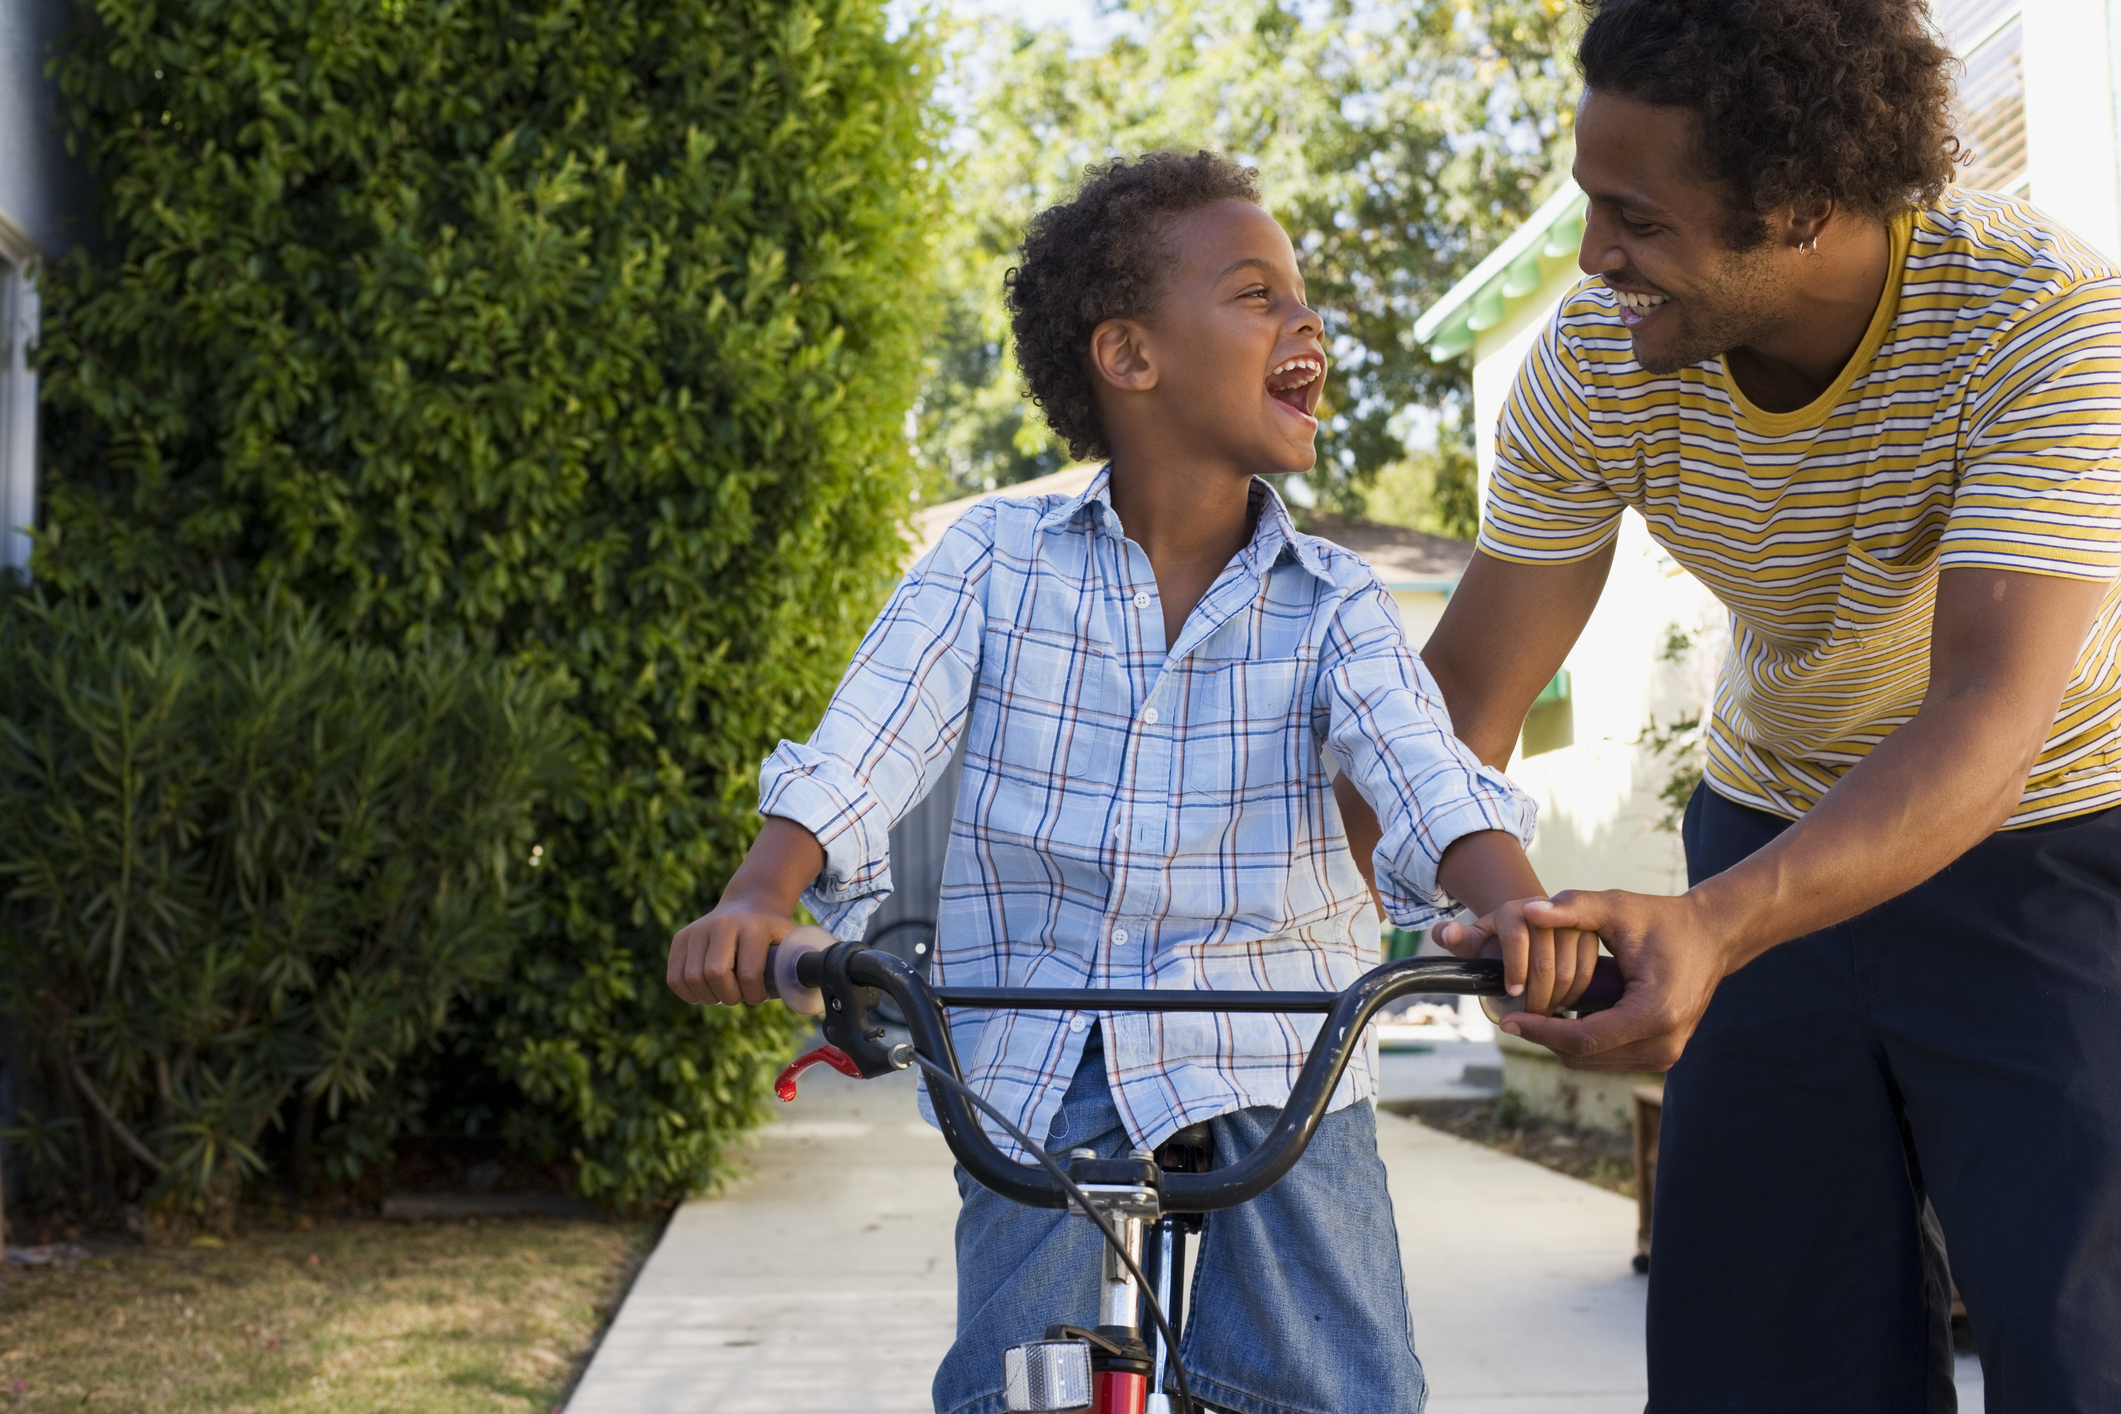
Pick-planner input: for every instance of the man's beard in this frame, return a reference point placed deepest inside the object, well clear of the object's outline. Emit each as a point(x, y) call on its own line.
point(1731, 311)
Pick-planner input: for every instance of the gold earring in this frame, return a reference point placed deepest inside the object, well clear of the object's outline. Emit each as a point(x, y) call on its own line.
point(1808, 246)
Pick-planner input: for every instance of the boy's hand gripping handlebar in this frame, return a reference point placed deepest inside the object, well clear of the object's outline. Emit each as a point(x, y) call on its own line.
point(841, 982)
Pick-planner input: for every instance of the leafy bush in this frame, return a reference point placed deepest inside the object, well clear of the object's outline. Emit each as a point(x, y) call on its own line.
point(248, 869)
point(586, 331)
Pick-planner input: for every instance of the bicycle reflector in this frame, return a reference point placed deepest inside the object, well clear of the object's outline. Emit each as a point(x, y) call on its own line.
point(1046, 1376)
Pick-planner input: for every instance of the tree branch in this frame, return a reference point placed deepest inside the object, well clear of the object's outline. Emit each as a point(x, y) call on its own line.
point(117, 1127)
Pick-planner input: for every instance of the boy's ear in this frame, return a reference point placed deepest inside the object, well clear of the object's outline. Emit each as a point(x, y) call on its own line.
point(1119, 352)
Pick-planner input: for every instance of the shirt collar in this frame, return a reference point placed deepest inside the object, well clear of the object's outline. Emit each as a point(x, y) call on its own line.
point(1274, 535)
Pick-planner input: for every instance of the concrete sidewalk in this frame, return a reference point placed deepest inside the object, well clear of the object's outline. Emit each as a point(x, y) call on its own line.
point(825, 1284)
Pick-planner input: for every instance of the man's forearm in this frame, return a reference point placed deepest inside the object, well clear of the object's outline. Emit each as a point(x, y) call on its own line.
point(1504, 633)
point(1924, 796)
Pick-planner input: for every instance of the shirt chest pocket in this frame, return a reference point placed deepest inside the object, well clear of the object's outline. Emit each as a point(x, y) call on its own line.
point(1248, 730)
point(1058, 709)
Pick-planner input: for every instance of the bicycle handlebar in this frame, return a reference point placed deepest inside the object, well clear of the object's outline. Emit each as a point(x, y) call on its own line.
point(849, 977)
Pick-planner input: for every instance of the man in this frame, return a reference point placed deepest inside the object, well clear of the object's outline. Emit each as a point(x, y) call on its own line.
point(1879, 418)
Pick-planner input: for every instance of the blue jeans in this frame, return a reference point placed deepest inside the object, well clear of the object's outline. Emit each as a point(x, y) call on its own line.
point(1298, 1305)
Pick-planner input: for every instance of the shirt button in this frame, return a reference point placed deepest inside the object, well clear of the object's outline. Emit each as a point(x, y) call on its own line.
point(1119, 935)
point(1077, 1024)
point(1141, 598)
point(1150, 716)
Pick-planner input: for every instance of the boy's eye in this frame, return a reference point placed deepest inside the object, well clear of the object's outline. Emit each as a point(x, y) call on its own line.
point(1256, 292)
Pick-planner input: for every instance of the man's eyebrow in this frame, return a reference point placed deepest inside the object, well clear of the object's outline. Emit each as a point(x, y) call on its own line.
point(1631, 200)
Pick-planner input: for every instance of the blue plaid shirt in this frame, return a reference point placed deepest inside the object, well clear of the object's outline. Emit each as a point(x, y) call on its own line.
point(1137, 814)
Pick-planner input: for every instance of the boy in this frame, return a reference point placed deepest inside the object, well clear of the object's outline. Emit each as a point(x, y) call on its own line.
point(1151, 679)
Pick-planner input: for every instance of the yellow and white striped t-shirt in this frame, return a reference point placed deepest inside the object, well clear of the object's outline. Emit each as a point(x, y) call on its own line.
point(1978, 424)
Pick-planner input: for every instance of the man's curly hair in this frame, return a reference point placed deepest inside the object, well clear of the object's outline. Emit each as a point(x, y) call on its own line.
point(1798, 101)
point(1102, 256)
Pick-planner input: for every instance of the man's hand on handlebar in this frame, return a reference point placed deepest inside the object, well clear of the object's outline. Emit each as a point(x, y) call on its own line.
point(1673, 960)
point(1549, 967)
point(722, 957)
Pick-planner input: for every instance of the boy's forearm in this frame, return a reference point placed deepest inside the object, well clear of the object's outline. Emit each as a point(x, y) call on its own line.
point(781, 863)
point(1487, 869)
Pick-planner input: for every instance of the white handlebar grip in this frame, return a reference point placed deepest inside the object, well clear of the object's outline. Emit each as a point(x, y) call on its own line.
point(780, 970)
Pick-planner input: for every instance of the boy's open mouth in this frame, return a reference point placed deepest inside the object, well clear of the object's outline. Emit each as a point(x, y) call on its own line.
point(1298, 382)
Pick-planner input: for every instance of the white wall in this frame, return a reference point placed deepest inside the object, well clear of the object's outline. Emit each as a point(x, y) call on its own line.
point(2070, 116)
point(1419, 612)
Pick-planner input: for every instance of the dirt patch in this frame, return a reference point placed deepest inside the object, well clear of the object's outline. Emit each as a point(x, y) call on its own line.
point(1593, 1155)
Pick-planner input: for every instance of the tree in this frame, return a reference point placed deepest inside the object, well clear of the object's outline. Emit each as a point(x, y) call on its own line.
point(585, 332)
point(1397, 143)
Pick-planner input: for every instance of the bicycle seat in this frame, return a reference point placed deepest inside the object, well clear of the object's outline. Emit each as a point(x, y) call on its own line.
point(1191, 1150)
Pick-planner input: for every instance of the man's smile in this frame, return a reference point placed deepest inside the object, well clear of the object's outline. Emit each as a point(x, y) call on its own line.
point(1635, 306)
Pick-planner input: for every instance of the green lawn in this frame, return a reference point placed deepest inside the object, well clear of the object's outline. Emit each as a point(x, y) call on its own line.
point(346, 1317)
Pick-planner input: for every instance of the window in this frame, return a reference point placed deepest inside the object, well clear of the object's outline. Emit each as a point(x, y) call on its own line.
point(1990, 43)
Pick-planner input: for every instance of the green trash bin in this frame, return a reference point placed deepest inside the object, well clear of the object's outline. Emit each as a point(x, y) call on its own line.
point(1402, 942)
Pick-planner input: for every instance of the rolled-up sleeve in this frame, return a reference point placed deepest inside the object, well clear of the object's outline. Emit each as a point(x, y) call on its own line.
point(888, 734)
point(1389, 729)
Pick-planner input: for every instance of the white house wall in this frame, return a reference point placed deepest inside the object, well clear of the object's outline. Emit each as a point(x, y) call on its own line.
point(2070, 117)
point(1419, 613)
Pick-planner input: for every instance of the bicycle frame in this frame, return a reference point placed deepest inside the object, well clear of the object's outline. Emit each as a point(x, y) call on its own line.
point(1133, 1196)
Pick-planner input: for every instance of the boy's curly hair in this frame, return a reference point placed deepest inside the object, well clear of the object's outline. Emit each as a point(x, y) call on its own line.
point(1101, 256)
point(1797, 100)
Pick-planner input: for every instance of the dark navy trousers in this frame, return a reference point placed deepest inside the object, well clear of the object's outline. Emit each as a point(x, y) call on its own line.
point(1937, 1079)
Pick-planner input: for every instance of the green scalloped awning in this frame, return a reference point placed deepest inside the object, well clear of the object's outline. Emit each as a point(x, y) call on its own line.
point(1515, 270)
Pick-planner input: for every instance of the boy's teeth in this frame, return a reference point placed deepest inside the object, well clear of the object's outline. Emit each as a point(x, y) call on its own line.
point(1308, 368)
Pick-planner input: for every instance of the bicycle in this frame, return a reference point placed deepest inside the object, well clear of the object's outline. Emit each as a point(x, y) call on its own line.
point(1121, 1365)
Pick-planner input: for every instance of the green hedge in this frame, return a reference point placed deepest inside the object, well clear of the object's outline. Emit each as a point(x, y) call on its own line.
point(246, 873)
point(586, 331)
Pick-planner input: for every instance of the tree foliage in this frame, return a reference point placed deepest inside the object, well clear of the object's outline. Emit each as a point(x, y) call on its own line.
point(585, 331)
point(247, 872)
point(1397, 142)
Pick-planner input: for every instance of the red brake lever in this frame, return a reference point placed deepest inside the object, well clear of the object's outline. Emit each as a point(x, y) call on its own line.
point(833, 1056)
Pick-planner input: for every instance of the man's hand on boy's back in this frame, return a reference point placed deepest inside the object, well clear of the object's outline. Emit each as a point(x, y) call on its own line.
point(722, 957)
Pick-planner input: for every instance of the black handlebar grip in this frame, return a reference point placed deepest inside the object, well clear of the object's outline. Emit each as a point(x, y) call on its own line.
point(1603, 994)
